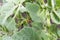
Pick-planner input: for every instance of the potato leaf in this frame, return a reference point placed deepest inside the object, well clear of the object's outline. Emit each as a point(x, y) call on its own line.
point(26, 34)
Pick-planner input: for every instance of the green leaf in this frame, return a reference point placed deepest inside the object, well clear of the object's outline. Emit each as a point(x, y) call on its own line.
point(6, 38)
point(6, 7)
point(37, 26)
point(49, 3)
point(44, 35)
point(33, 10)
point(58, 3)
point(52, 29)
point(10, 24)
point(58, 32)
point(26, 34)
point(43, 16)
point(0, 38)
point(58, 13)
point(55, 17)
point(5, 11)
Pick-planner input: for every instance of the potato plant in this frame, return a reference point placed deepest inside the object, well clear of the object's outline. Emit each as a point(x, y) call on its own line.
point(30, 20)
